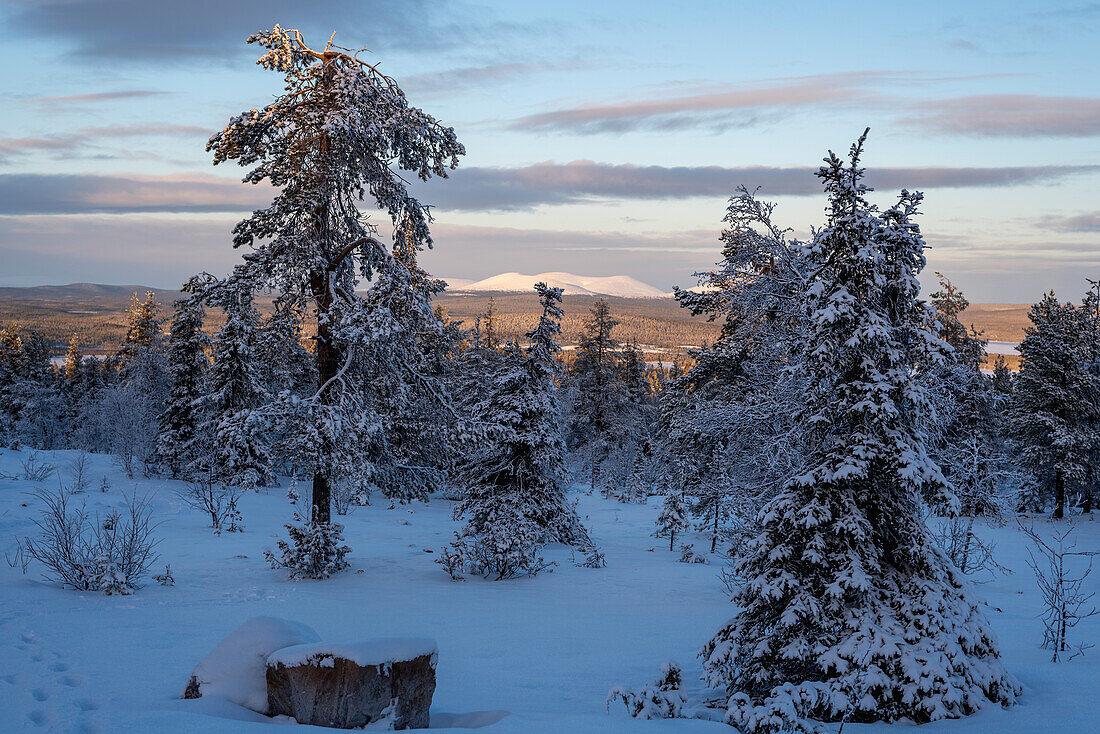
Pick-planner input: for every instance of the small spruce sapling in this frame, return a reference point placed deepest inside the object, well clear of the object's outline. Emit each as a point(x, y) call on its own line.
point(672, 518)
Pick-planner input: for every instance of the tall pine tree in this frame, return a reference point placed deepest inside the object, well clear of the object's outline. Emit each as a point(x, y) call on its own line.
point(340, 131)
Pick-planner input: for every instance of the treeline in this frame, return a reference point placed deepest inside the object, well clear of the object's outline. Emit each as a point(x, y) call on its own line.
point(649, 321)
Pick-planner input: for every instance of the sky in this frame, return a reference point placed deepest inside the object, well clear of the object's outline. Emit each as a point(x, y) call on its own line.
point(602, 138)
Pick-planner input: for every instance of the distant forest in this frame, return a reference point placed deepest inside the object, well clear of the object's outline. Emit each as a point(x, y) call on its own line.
point(97, 315)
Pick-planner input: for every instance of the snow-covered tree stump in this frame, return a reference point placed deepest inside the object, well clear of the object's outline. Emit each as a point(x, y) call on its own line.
point(351, 685)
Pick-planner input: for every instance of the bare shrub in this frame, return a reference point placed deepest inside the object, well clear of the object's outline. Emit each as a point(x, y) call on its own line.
point(78, 472)
point(215, 499)
point(18, 558)
point(37, 470)
point(1065, 602)
point(970, 554)
point(88, 553)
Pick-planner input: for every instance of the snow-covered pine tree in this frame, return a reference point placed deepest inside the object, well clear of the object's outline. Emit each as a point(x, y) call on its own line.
point(37, 395)
point(739, 394)
point(596, 427)
point(489, 325)
point(230, 434)
point(848, 610)
point(1002, 376)
point(187, 366)
point(949, 301)
point(1054, 402)
point(283, 361)
point(713, 496)
point(969, 426)
point(338, 132)
point(673, 517)
point(515, 478)
point(144, 330)
point(130, 407)
point(1090, 346)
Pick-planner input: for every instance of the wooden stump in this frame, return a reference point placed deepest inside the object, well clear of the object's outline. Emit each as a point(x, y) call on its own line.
point(350, 686)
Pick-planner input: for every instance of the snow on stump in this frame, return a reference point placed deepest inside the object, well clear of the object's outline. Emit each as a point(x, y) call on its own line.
point(351, 685)
point(236, 669)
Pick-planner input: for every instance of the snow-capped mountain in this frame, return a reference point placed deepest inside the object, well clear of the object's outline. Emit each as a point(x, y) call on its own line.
point(613, 285)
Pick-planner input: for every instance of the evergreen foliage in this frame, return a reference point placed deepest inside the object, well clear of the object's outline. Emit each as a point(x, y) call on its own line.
point(849, 611)
point(514, 499)
point(187, 367)
point(339, 131)
point(1056, 402)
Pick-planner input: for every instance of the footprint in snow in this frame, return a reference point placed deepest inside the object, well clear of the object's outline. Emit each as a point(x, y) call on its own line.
point(40, 694)
point(38, 717)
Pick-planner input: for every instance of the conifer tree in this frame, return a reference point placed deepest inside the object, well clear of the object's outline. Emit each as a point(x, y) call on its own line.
point(144, 330)
point(515, 497)
point(230, 401)
point(178, 442)
point(598, 406)
point(969, 442)
point(489, 325)
point(848, 610)
point(673, 517)
point(1054, 402)
point(1002, 376)
point(339, 132)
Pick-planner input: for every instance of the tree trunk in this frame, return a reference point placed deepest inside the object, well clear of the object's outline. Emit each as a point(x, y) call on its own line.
point(326, 370)
point(1086, 501)
point(1059, 494)
point(671, 539)
point(714, 535)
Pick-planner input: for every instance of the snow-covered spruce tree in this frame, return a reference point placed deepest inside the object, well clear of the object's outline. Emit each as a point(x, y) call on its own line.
point(129, 408)
point(340, 131)
point(37, 398)
point(144, 330)
point(1054, 403)
point(673, 517)
point(285, 366)
point(187, 366)
point(229, 443)
point(739, 401)
point(967, 443)
point(596, 423)
point(515, 500)
point(849, 611)
point(1090, 346)
point(713, 498)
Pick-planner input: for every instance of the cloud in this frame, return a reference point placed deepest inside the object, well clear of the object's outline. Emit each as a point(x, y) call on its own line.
point(1088, 222)
point(725, 108)
point(722, 109)
point(161, 252)
point(95, 97)
point(1017, 115)
point(127, 31)
point(554, 183)
point(33, 193)
point(452, 80)
point(10, 147)
point(487, 189)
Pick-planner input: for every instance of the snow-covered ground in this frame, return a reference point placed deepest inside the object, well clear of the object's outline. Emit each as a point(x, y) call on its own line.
point(1002, 348)
point(530, 655)
point(587, 285)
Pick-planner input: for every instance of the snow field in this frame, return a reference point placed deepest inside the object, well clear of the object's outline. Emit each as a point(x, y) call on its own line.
point(545, 650)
